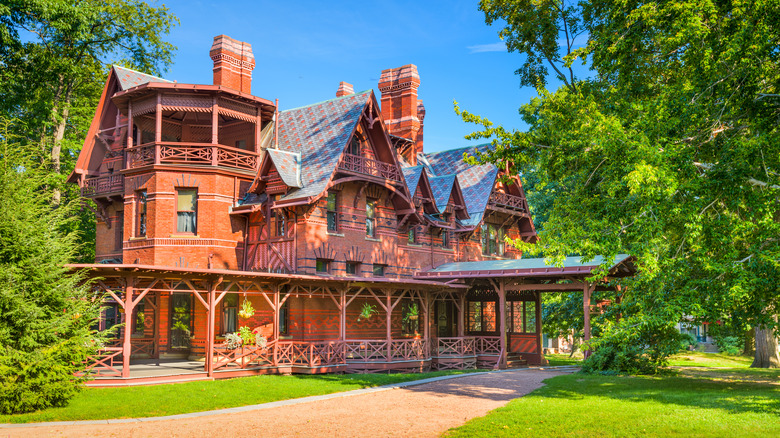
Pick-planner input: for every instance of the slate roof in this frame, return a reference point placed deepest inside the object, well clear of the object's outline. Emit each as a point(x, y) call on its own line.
point(319, 133)
point(518, 267)
point(412, 176)
point(130, 78)
point(442, 189)
point(288, 164)
point(476, 182)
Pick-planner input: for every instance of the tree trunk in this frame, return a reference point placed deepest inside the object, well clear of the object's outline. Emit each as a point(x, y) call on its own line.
point(60, 123)
point(750, 342)
point(766, 349)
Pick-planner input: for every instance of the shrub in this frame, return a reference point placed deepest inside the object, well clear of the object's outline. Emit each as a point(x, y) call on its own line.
point(730, 345)
point(688, 342)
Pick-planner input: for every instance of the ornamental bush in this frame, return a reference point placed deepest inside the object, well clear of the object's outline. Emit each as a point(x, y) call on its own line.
point(46, 314)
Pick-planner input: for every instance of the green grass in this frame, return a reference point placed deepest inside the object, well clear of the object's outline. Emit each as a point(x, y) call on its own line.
point(181, 398)
point(609, 406)
point(563, 359)
point(699, 359)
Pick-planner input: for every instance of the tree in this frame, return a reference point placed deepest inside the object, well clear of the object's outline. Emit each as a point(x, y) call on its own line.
point(668, 150)
point(53, 57)
point(46, 314)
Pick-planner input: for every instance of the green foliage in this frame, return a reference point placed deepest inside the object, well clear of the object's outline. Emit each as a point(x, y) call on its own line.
point(730, 345)
point(366, 312)
point(46, 314)
point(246, 334)
point(688, 341)
point(669, 151)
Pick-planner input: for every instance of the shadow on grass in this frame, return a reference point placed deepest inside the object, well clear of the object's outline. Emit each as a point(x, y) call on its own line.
point(732, 397)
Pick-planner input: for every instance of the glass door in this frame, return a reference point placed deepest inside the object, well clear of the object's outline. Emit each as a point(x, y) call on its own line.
point(181, 321)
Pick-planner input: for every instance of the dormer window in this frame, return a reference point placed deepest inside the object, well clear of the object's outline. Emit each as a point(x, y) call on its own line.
point(354, 146)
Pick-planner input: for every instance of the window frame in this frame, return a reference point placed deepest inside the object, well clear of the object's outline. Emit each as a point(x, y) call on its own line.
point(483, 321)
point(356, 265)
point(381, 267)
point(227, 307)
point(371, 222)
point(141, 204)
point(324, 264)
point(334, 212)
point(284, 318)
point(194, 212)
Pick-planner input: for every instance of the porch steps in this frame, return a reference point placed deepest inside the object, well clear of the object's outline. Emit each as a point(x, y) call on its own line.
point(514, 360)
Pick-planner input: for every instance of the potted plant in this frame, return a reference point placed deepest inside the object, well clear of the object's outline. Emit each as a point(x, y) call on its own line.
point(232, 341)
point(412, 313)
point(247, 311)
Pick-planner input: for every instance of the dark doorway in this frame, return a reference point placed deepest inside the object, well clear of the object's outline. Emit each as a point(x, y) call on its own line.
point(181, 322)
point(446, 319)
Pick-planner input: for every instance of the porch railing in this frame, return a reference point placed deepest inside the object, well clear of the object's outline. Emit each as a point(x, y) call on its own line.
point(369, 166)
point(373, 350)
point(244, 356)
point(468, 346)
point(191, 154)
point(103, 185)
point(310, 354)
point(506, 200)
point(104, 363)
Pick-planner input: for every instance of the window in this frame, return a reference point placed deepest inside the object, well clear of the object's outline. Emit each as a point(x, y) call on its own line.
point(186, 210)
point(279, 222)
point(284, 318)
point(492, 240)
point(111, 317)
point(138, 321)
point(484, 235)
point(141, 212)
point(354, 146)
point(379, 270)
point(482, 316)
point(521, 316)
point(230, 313)
point(500, 241)
point(371, 218)
point(323, 266)
point(353, 268)
point(412, 235)
point(332, 212)
point(445, 239)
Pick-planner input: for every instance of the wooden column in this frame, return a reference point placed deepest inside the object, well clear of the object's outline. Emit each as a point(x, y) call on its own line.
point(462, 315)
point(214, 121)
point(129, 133)
point(210, 331)
point(502, 323)
point(586, 290)
point(258, 131)
point(426, 305)
point(388, 322)
point(343, 314)
point(126, 345)
point(157, 128)
point(539, 327)
point(276, 322)
point(157, 310)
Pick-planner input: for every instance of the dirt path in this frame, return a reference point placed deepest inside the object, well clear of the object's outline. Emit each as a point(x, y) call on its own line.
point(420, 411)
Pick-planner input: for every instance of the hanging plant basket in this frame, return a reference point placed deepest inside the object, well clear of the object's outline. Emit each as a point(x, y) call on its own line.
point(247, 311)
point(366, 312)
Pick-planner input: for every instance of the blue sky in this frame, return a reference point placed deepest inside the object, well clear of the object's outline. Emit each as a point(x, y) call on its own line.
point(304, 49)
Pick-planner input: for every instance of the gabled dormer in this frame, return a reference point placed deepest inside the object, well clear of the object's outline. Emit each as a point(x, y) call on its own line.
point(280, 172)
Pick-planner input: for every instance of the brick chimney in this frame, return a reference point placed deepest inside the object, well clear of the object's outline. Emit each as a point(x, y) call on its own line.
point(418, 142)
point(345, 89)
point(233, 63)
point(399, 104)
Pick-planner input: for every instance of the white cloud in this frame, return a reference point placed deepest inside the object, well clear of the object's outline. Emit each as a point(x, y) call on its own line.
point(494, 47)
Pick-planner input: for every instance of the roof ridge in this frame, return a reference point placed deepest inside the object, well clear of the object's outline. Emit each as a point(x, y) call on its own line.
point(457, 149)
point(325, 101)
point(139, 72)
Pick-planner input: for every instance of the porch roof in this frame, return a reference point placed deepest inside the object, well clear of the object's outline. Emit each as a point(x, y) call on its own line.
point(121, 270)
point(621, 266)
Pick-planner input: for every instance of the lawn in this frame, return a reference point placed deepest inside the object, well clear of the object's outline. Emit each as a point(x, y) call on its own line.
point(611, 406)
point(181, 398)
point(563, 359)
point(699, 359)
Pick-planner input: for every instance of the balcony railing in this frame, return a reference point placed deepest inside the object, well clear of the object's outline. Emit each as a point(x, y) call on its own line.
point(103, 185)
point(508, 201)
point(191, 154)
point(368, 166)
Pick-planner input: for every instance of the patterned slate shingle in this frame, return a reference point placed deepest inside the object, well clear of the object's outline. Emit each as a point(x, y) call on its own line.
point(476, 182)
point(442, 189)
point(130, 78)
point(319, 133)
point(288, 164)
point(412, 177)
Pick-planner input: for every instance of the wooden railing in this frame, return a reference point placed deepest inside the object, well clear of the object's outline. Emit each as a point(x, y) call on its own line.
point(511, 202)
point(103, 185)
point(244, 356)
point(310, 354)
point(191, 154)
point(369, 166)
point(487, 344)
point(104, 363)
point(373, 350)
point(456, 346)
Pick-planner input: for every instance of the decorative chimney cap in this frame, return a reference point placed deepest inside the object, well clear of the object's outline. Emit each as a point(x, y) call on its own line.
point(399, 78)
point(345, 89)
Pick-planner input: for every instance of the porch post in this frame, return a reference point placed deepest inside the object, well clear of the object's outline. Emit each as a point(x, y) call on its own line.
point(157, 310)
point(502, 323)
point(210, 331)
point(388, 323)
point(539, 327)
point(426, 305)
point(343, 314)
point(126, 346)
point(214, 121)
point(276, 320)
point(586, 315)
point(158, 128)
point(462, 316)
point(129, 132)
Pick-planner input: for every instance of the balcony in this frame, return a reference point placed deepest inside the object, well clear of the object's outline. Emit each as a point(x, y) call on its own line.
point(508, 202)
point(203, 154)
point(103, 186)
point(368, 166)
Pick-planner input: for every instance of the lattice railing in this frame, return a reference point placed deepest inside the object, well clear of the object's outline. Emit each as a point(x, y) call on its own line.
point(310, 354)
point(191, 154)
point(103, 185)
point(456, 346)
point(365, 349)
point(488, 344)
point(508, 201)
point(104, 363)
point(409, 349)
point(369, 166)
point(243, 357)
